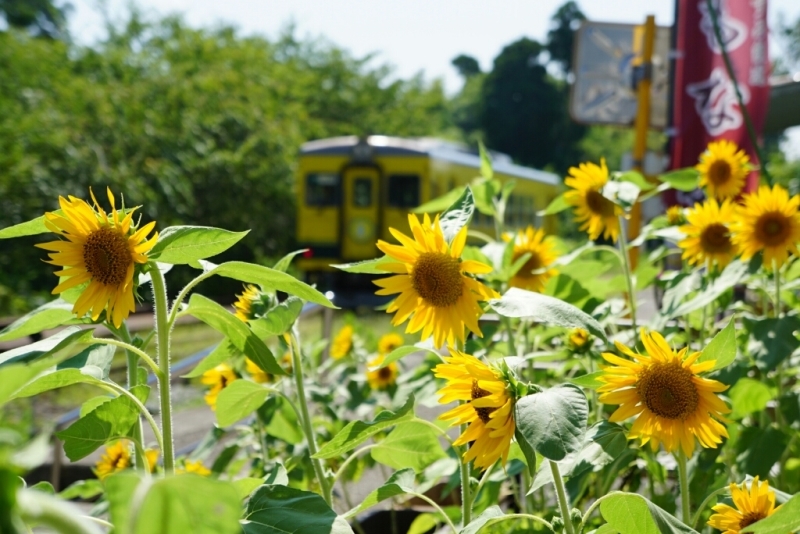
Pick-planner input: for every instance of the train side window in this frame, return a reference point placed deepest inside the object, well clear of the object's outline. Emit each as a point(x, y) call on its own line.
point(322, 189)
point(403, 191)
point(362, 192)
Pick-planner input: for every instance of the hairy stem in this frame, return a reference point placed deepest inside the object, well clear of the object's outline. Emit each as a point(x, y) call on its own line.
point(162, 336)
point(558, 482)
point(626, 267)
point(683, 481)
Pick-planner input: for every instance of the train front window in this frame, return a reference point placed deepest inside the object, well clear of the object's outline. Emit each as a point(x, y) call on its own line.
point(322, 189)
point(362, 192)
point(403, 191)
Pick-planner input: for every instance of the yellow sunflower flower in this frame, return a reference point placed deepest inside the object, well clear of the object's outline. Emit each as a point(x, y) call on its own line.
point(768, 220)
point(723, 169)
point(708, 237)
point(244, 304)
point(342, 343)
point(218, 378)
point(672, 403)
point(193, 466)
point(389, 342)
point(536, 272)
point(151, 455)
point(751, 506)
point(487, 407)
point(578, 339)
point(256, 372)
point(384, 377)
point(116, 457)
point(99, 249)
point(596, 213)
point(674, 215)
point(434, 288)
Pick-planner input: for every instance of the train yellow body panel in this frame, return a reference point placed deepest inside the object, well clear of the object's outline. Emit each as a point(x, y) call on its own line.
point(350, 191)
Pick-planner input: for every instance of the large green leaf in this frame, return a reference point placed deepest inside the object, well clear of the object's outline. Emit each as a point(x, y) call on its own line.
point(400, 483)
point(636, 178)
point(748, 396)
point(493, 512)
point(50, 315)
point(357, 432)
point(47, 346)
point(120, 488)
point(285, 510)
point(33, 227)
point(458, 215)
point(110, 420)
point(16, 375)
point(543, 309)
point(772, 340)
point(629, 513)
point(97, 354)
point(365, 267)
point(734, 273)
point(412, 444)
point(722, 348)
point(220, 354)
point(268, 279)
point(402, 352)
point(441, 203)
point(557, 205)
point(239, 399)
point(682, 179)
point(553, 421)
point(758, 449)
point(236, 331)
point(283, 263)
point(279, 319)
point(786, 519)
point(181, 245)
point(61, 378)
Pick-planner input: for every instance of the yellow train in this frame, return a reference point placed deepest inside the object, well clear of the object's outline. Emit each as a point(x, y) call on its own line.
point(351, 190)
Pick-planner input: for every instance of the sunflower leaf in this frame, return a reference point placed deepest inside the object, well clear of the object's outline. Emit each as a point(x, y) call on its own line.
point(553, 421)
point(722, 348)
point(402, 352)
point(47, 346)
point(180, 245)
point(365, 267)
point(441, 203)
point(458, 215)
point(636, 178)
point(557, 205)
point(50, 315)
point(682, 179)
point(273, 509)
point(33, 227)
point(239, 399)
point(629, 513)
point(411, 444)
point(278, 319)
point(400, 483)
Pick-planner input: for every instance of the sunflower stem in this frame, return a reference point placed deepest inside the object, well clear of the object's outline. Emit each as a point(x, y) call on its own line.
point(133, 380)
point(683, 481)
point(626, 267)
point(563, 504)
point(163, 341)
point(777, 271)
point(703, 505)
point(308, 428)
point(466, 497)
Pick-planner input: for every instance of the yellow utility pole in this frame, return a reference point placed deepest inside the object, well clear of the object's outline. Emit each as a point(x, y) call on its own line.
point(643, 48)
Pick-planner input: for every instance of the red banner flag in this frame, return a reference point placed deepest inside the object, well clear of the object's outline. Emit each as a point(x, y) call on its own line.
point(705, 104)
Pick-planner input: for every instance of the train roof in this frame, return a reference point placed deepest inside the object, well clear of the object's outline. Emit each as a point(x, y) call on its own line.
point(382, 145)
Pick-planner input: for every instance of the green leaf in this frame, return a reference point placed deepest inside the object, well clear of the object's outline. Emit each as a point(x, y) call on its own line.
point(734, 273)
point(772, 340)
point(283, 263)
point(98, 355)
point(423, 523)
point(33, 227)
point(357, 432)
point(493, 512)
point(269, 279)
point(400, 483)
point(47, 346)
point(623, 194)
point(237, 332)
point(748, 396)
point(93, 403)
point(527, 451)
point(181, 245)
point(365, 267)
point(786, 519)
point(637, 179)
point(220, 354)
point(758, 449)
point(411, 444)
point(484, 192)
point(239, 399)
point(61, 378)
point(82, 489)
point(457, 216)
point(282, 510)
point(110, 420)
point(687, 179)
point(279, 319)
point(543, 309)
point(557, 205)
point(15, 376)
point(722, 348)
point(402, 352)
point(553, 421)
point(50, 315)
point(588, 380)
point(629, 513)
point(120, 488)
point(486, 162)
point(441, 203)
point(246, 486)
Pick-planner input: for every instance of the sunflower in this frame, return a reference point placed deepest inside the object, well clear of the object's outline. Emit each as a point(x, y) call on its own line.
point(536, 272)
point(433, 283)
point(194, 466)
point(708, 237)
point(751, 506)
point(723, 169)
point(384, 377)
point(579, 339)
point(487, 407)
point(256, 372)
point(597, 214)
point(244, 304)
point(342, 343)
point(768, 220)
point(99, 249)
point(116, 457)
point(389, 342)
point(218, 378)
point(672, 403)
point(674, 215)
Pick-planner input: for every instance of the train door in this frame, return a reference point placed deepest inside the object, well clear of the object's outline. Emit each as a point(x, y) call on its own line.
point(360, 212)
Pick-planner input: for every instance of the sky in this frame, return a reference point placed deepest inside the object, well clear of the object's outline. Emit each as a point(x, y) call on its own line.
point(412, 35)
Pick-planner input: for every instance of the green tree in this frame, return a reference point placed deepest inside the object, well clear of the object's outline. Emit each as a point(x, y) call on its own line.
point(42, 17)
point(561, 36)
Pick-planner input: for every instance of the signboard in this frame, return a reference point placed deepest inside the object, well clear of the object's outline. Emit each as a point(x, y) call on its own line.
point(605, 58)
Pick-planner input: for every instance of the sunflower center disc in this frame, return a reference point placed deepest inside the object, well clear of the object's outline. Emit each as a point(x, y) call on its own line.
point(534, 263)
point(750, 518)
point(719, 172)
point(384, 373)
point(772, 229)
point(107, 256)
point(668, 391)
point(715, 238)
point(599, 204)
point(477, 393)
point(437, 278)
